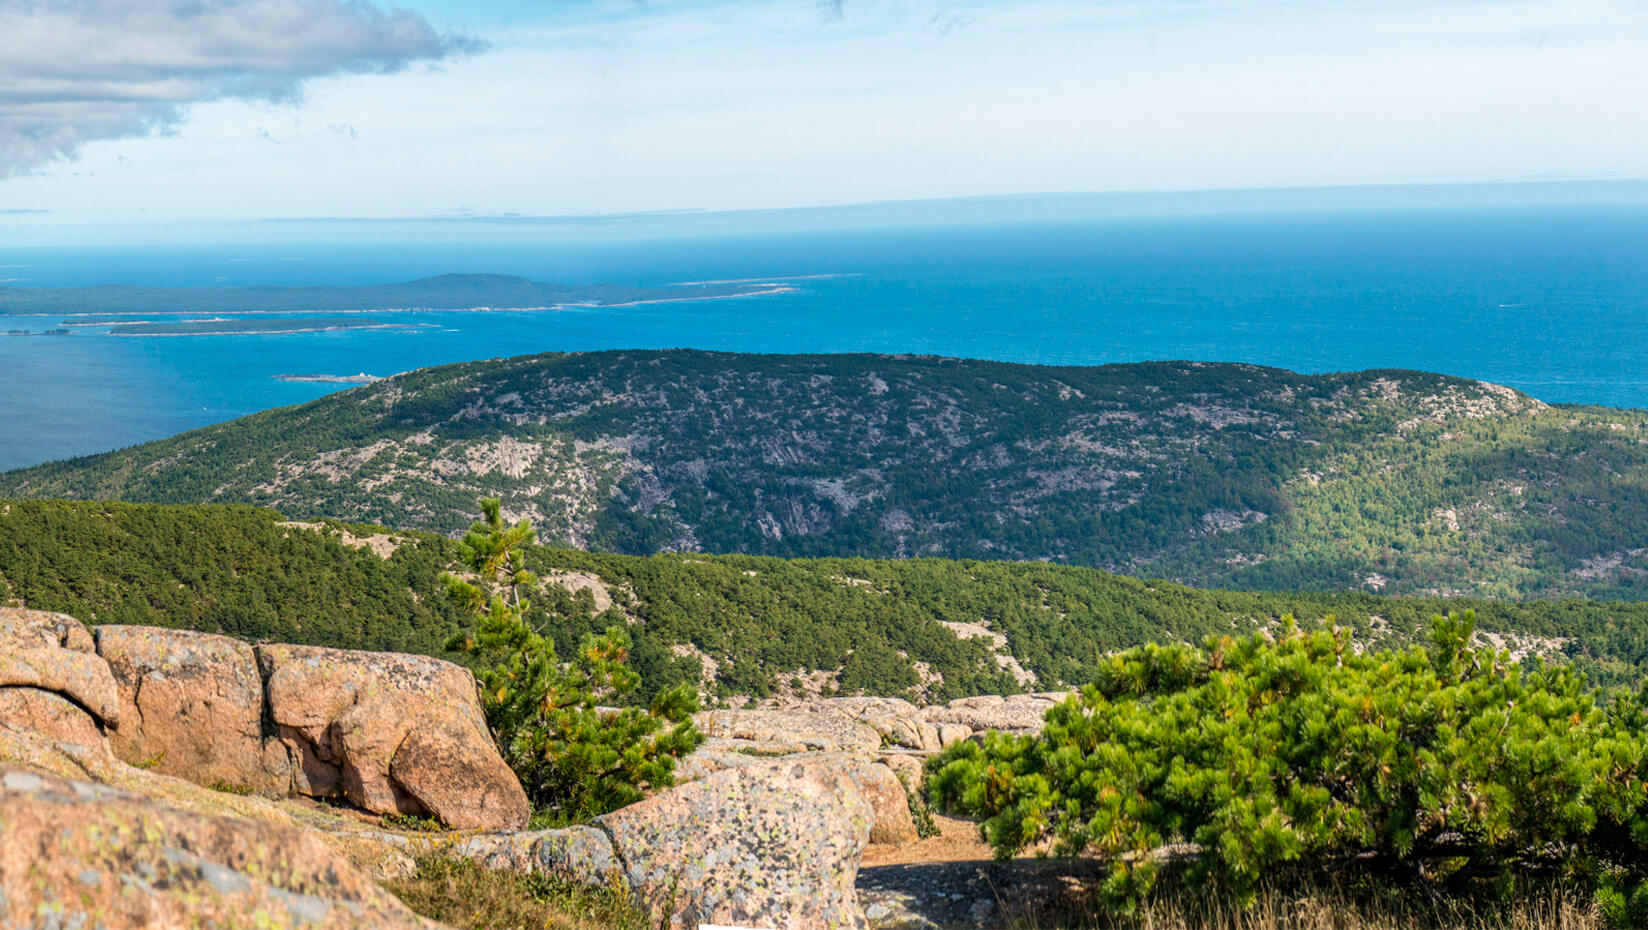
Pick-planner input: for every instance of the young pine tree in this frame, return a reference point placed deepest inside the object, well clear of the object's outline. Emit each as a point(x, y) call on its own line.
point(575, 755)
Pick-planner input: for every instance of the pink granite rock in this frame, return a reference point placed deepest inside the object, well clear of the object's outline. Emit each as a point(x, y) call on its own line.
point(768, 846)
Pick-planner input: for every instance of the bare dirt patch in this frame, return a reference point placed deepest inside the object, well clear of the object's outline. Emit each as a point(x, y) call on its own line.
point(382, 545)
point(954, 880)
point(573, 582)
point(1003, 657)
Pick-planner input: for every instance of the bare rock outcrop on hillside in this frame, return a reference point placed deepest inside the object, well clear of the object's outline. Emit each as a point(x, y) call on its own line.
point(51, 680)
point(878, 783)
point(42, 629)
point(771, 845)
point(868, 724)
point(339, 849)
point(80, 853)
point(193, 706)
point(392, 733)
point(79, 676)
point(50, 713)
point(582, 855)
point(1023, 712)
point(801, 729)
point(897, 721)
point(774, 846)
point(878, 743)
point(890, 820)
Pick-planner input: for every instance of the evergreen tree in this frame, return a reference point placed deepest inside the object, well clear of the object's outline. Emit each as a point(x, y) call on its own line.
point(575, 757)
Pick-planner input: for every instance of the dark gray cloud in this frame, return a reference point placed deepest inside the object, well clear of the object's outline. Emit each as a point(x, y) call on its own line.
point(76, 71)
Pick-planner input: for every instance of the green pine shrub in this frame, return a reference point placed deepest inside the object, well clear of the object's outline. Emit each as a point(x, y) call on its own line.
point(1443, 765)
point(575, 755)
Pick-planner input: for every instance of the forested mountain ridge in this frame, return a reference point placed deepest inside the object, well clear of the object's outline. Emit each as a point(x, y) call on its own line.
point(1211, 474)
point(744, 626)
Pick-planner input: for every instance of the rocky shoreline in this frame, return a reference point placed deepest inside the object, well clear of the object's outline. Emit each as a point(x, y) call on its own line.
point(362, 378)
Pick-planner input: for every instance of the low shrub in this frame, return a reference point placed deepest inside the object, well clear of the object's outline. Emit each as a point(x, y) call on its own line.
point(1442, 765)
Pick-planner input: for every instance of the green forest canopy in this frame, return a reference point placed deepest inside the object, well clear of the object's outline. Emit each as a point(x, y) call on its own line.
point(241, 571)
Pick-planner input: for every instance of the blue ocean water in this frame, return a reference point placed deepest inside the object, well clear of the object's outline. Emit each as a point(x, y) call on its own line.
point(1553, 301)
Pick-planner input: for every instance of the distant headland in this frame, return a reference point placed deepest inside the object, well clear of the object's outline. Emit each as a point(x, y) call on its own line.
point(446, 292)
point(265, 326)
point(362, 378)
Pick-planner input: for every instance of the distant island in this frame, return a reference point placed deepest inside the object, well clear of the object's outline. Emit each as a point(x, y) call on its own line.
point(122, 319)
point(446, 292)
point(362, 378)
point(50, 332)
point(262, 327)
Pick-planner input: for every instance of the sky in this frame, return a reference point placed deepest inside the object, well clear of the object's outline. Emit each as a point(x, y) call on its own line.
point(155, 111)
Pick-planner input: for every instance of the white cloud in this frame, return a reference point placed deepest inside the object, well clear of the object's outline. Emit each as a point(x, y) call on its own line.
point(78, 71)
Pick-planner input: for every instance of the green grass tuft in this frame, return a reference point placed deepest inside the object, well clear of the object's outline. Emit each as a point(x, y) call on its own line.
point(469, 896)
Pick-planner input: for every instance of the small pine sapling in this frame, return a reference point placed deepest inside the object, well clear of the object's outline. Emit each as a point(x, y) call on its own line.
point(562, 727)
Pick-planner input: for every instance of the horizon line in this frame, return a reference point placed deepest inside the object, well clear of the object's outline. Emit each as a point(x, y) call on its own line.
point(1635, 184)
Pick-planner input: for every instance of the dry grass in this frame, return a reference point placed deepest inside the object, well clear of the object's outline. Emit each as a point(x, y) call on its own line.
point(1063, 894)
point(1327, 909)
point(468, 896)
point(1275, 912)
